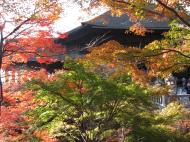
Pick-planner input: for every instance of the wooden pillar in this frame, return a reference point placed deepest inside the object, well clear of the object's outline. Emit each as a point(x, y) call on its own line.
point(9, 77)
point(13, 76)
point(16, 76)
point(164, 100)
point(19, 76)
point(3, 76)
point(6, 76)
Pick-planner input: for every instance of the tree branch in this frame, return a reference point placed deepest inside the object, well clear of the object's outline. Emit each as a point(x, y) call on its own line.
point(174, 12)
point(160, 14)
point(177, 51)
point(162, 51)
point(17, 28)
point(145, 9)
point(4, 46)
point(174, 65)
point(30, 52)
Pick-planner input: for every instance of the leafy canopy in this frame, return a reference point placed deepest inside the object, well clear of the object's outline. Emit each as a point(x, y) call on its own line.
point(81, 105)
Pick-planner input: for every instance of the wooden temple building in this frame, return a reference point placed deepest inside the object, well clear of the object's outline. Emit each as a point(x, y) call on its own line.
point(108, 27)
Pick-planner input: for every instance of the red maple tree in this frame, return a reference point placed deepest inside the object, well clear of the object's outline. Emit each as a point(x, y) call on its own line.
point(13, 122)
point(21, 34)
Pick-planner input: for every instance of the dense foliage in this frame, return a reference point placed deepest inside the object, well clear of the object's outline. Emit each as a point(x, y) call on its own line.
point(81, 105)
point(106, 96)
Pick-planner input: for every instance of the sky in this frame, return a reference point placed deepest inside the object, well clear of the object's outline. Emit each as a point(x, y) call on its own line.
point(72, 17)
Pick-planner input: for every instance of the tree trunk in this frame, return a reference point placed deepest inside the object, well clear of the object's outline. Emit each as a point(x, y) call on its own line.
point(1, 85)
point(1, 61)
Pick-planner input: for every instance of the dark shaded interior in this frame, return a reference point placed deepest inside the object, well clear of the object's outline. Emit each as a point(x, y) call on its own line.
point(37, 66)
point(89, 35)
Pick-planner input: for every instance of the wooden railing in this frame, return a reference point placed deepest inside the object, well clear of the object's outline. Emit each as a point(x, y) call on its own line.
point(8, 77)
point(16, 76)
point(163, 101)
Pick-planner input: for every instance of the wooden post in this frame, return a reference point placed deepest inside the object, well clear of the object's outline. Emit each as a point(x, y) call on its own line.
point(164, 101)
point(16, 76)
point(13, 76)
point(3, 76)
point(6, 76)
point(10, 76)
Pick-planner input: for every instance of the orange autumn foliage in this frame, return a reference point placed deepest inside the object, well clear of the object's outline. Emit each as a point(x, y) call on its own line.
point(41, 48)
point(16, 103)
point(108, 58)
point(138, 10)
point(44, 136)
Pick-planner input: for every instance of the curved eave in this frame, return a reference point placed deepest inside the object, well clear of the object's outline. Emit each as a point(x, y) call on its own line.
point(127, 28)
point(76, 33)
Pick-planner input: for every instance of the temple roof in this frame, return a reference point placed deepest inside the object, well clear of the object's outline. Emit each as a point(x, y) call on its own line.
point(107, 20)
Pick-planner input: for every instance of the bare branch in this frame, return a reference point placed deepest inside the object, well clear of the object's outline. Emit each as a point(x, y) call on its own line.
point(21, 24)
point(96, 41)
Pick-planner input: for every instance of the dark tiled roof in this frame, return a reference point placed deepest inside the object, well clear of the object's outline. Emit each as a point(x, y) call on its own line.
point(107, 20)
